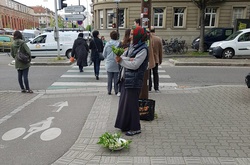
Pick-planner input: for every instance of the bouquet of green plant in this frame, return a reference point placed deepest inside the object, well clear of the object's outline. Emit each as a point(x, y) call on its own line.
point(118, 51)
point(113, 141)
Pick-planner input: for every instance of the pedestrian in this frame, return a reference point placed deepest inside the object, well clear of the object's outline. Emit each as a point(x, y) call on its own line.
point(137, 22)
point(134, 62)
point(22, 68)
point(96, 47)
point(80, 52)
point(103, 40)
point(155, 59)
point(125, 43)
point(111, 65)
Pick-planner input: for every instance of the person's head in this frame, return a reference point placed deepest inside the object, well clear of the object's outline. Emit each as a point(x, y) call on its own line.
point(102, 38)
point(80, 35)
point(137, 22)
point(17, 35)
point(139, 35)
point(127, 34)
point(152, 29)
point(95, 33)
point(114, 35)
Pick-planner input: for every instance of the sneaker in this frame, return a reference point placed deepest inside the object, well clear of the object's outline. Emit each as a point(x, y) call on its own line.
point(109, 93)
point(97, 77)
point(157, 91)
point(30, 91)
point(23, 91)
point(132, 133)
point(118, 94)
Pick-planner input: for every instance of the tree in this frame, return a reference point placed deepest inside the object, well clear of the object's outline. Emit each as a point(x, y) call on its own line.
point(88, 27)
point(202, 4)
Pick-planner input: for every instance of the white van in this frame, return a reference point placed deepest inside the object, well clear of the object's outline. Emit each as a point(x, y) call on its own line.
point(45, 44)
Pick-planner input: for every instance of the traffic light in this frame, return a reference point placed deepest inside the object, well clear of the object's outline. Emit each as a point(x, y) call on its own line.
point(121, 18)
point(62, 5)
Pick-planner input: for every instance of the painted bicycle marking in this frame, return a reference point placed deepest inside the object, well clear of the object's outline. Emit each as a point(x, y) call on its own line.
point(47, 135)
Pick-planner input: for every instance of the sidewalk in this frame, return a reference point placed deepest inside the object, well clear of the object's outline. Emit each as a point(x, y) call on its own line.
point(207, 125)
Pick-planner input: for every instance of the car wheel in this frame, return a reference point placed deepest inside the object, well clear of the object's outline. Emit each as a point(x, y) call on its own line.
point(68, 53)
point(228, 53)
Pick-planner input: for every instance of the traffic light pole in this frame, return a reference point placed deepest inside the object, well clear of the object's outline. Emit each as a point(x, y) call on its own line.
point(56, 33)
point(145, 23)
point(117, 17)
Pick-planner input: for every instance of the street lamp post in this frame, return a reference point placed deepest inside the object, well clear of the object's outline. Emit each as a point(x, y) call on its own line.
point(117, 16)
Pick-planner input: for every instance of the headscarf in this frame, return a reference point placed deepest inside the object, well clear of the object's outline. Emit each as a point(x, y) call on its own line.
point(139, 35)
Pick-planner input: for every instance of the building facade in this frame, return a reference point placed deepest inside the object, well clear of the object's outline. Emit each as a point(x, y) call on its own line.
point(171, 18)
point(44, 15)
point(16, 16)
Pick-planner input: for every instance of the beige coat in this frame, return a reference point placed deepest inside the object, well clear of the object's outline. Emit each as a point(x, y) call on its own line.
point(155, 51)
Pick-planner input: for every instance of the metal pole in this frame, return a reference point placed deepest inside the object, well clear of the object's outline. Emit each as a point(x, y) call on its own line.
point(145, 23)
point(56, 33)
point(117, 18)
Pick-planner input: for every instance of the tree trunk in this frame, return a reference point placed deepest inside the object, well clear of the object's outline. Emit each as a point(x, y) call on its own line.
point(202, 26)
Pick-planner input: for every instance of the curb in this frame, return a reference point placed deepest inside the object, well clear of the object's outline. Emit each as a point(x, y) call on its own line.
point(178, 63)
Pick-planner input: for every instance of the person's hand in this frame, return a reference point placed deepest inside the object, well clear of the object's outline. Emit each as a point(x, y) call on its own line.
point(118, 59)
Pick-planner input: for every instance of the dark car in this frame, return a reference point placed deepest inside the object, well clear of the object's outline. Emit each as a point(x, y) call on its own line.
point(211, 36)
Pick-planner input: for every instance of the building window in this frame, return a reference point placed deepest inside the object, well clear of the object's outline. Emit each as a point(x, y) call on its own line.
point(238, 13)
point(101, 19)
point(110, 16)
point(179, 14)
point(158, 17)
point(210, 17)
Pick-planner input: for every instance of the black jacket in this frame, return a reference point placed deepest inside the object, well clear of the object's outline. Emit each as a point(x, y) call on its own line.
point(95, 44)
point(80, 51)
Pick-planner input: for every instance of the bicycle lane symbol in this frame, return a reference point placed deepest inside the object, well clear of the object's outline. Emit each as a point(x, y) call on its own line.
point(47, 135)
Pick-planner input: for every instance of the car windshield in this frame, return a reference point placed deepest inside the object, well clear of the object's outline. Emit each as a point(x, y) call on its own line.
point(27, 36)
point(231, 37)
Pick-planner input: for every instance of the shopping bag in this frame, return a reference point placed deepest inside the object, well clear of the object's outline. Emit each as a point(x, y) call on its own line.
point(72, 59)
point(147, 109)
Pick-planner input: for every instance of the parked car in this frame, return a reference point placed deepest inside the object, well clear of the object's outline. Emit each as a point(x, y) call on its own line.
point(5, 42)
point(45, 45)
point(211, 36)
point(29, 34)
point(236, 44)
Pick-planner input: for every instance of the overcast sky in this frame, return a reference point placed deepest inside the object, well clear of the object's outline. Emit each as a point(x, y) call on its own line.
point(50, 3)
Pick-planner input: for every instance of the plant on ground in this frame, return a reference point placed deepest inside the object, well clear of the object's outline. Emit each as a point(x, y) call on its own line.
point(111, 141)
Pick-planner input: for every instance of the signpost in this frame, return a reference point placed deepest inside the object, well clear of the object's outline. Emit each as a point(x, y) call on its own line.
point(75, 17)
point(71, 9)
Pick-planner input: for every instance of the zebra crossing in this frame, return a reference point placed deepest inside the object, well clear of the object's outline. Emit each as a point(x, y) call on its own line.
point(86, 79)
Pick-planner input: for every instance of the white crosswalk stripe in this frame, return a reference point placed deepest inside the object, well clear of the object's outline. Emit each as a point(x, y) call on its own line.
point(75, 79)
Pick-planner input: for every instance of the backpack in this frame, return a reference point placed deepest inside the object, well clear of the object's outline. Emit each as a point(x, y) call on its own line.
point(22, 57)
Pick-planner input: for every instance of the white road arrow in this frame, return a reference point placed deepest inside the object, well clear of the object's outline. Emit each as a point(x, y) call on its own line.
point(60, 105)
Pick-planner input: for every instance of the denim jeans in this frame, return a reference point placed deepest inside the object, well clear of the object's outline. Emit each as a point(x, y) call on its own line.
point(23, 77)
point(113, 76)
point(97, 63)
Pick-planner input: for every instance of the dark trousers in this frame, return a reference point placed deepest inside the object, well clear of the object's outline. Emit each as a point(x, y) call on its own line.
point(80, 68)
point(97, 63)
point(155, 77)
point(112, 76)
point(23, 77)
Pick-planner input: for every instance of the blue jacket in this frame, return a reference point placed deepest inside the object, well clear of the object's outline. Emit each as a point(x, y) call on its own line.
point(110, 64)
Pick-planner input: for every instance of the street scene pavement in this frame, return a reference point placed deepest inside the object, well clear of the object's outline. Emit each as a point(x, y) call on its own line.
point(201, 125)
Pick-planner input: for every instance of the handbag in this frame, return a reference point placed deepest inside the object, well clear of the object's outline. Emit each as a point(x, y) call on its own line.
point(22, 57)
point(100, 55)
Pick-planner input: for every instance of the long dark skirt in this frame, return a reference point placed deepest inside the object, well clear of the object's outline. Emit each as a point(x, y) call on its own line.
point(128, 117)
